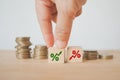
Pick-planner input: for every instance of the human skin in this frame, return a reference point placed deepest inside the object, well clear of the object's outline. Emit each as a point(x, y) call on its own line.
point(62, 12)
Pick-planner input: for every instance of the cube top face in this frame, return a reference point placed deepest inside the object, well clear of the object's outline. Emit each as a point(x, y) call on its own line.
point(74, 54)
point(55, 55)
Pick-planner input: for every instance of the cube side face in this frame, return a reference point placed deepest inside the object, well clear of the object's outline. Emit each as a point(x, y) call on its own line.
point(56, 55)
point(74, 54)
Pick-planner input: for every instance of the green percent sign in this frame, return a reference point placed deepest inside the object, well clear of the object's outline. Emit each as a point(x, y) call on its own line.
point(55, 56)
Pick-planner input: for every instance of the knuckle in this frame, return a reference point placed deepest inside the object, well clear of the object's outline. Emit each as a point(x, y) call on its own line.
point(62, 33)
point(70, 13)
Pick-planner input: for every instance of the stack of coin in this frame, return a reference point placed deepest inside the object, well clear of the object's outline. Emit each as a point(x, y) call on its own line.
point(23, 50)
point(85, 55)
point(106, 56)
point(40, 52)
point(90, 55)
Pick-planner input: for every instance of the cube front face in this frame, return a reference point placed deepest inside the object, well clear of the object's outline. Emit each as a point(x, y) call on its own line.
point(74, 54)
point(55, 55)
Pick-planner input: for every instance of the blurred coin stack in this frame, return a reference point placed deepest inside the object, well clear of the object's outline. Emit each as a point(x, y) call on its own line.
point(106, 56)
point(40, 52)
point(90, 55)
point(23, 50)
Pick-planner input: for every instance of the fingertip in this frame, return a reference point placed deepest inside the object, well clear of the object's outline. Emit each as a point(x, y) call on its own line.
point(49, 45)
point(49, 40)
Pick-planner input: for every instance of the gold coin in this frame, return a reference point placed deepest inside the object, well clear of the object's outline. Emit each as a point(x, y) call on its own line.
point(90, 51)
point(21, 47)
point(92, 55)
point(106, 56)
point(40, 51)
point(109, 57)
point(19, 56)
point(25, 43)
point(40, 54)
point(41, 47)
point(37, 50)
point(40, 57)
point(23, 50)
point(19, 41)
point(23, 38)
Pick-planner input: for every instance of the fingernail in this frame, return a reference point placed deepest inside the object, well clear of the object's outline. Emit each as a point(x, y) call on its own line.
point(60, 44)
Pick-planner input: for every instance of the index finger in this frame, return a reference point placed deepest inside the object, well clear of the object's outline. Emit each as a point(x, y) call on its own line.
point(44, 18)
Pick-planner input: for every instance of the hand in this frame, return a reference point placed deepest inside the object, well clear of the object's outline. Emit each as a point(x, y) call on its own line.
point(62, 12)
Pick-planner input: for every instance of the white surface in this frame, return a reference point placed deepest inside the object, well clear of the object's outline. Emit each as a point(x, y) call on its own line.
point(97, 28)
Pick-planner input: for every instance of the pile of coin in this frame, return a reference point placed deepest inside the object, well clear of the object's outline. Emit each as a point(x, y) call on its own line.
point(23, 50)
point(40, 52)
point(90, 55)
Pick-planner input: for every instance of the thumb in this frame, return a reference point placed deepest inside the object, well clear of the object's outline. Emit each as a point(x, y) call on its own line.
point(63, 30)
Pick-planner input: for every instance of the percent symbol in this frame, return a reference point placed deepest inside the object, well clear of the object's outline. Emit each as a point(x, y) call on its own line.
point(75, 53)
point(55, 56)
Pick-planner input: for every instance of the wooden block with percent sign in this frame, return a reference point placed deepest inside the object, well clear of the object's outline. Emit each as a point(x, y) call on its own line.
point(74, 54)
point(55, 55)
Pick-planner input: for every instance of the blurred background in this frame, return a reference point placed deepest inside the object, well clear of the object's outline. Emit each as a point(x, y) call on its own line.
point(97, 28)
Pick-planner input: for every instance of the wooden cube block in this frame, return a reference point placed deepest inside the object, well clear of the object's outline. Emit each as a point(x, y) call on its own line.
point(55, 55)
point(74, 54)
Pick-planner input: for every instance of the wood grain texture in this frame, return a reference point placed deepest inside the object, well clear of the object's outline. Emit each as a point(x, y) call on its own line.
point(30, 69)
